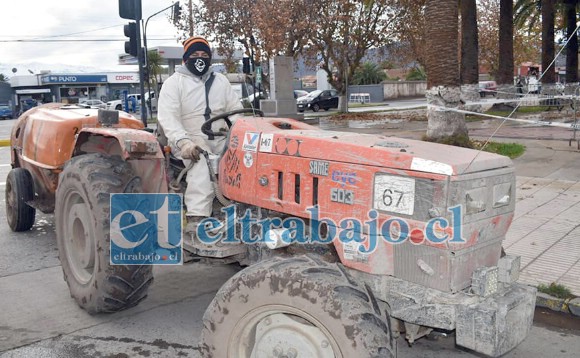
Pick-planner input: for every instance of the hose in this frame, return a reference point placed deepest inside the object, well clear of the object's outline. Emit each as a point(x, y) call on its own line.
point(218, 193)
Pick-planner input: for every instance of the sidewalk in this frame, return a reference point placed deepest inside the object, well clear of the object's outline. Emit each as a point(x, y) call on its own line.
point(546, 231)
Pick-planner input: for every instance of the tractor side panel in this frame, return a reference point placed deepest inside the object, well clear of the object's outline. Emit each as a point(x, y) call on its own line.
point(237, 167)
point(50, 134)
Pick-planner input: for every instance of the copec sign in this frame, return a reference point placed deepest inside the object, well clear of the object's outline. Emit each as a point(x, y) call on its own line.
point(116, 77)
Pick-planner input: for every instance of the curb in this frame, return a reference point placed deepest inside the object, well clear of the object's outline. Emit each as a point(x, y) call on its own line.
point(570, 306)
point(4, 142)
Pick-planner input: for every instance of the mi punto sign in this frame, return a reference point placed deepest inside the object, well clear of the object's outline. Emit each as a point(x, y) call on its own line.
point(74, 79)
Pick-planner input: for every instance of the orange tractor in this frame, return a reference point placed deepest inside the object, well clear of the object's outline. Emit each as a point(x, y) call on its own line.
point(408, 233)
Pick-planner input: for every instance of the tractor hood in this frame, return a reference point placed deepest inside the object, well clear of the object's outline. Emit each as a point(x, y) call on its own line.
point(302, 140)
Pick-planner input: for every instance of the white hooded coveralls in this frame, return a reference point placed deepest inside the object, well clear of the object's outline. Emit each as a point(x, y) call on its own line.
point(181, 109)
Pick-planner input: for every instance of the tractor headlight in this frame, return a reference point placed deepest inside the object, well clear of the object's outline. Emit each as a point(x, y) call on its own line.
point(502, 194)
point(484, 281)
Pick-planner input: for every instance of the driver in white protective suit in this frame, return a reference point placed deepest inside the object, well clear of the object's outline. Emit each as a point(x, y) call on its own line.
point(187, 99)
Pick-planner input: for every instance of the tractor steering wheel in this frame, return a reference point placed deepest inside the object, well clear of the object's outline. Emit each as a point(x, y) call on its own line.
point(206, 126)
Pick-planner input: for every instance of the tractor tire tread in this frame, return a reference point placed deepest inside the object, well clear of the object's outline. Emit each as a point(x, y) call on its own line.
point(321, 286)
point(114, 288)
point(20, 217)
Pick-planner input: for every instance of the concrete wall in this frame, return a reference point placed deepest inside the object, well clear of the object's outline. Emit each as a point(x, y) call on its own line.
point(396, 89)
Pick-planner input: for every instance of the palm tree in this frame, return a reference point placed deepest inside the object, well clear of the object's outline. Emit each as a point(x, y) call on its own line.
point(529, 12)
point(572, 48)
point(442, 65)
point(154, 62)
point(369, 74)
point(469, 42)
point(505, 72)
point(548, 48)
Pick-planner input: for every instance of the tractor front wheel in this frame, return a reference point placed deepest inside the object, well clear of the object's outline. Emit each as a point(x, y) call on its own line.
point(82, 230)
point(295, 307)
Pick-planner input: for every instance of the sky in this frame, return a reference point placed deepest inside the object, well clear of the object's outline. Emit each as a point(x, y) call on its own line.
point(80, 20)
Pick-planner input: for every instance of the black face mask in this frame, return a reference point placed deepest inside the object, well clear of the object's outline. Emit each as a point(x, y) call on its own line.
point(198, 65)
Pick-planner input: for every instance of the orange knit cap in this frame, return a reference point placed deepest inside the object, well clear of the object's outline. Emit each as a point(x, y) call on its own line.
point(195, 43)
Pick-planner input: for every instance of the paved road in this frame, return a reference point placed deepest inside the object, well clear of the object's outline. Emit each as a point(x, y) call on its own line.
point(39, 319)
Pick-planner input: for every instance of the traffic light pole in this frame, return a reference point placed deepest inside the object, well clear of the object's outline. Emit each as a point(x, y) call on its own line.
point(140, 60)
point(131, 9)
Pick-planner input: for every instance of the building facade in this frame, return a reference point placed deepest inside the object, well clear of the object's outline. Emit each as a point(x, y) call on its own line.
point(31, 90)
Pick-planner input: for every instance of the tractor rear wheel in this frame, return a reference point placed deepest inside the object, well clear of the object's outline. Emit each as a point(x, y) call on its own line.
point(19, 190)
point(295, 307)
point(82, 230)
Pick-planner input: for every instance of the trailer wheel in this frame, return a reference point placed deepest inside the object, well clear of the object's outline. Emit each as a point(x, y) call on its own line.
point(19, 190)
point(82, 228)
point(295, 307)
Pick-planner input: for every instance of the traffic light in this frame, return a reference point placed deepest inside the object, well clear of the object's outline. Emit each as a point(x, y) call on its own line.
point(176, 12)
point(130, 9)
point(246, 65)
point(131, 46)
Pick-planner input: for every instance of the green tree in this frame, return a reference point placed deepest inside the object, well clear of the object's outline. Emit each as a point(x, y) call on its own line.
point(528, 13)
point(416, 74)
point(3, 78)
point(369, 74)
point(154, 63)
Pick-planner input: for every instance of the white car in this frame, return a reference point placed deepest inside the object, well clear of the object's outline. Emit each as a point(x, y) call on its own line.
point(93, 103)
point(118, 104)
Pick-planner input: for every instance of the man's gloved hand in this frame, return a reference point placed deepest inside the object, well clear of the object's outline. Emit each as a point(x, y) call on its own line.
point(189, 150)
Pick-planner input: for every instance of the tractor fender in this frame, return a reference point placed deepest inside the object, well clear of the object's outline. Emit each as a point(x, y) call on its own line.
point(138, 147)
point(126, 142)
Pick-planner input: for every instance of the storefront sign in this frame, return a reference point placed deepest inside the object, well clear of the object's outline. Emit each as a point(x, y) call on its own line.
point(74, 79)
point(123, 77)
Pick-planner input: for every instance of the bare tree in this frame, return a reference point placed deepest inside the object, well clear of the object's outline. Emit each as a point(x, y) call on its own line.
point(410, 28)
point(345, 31)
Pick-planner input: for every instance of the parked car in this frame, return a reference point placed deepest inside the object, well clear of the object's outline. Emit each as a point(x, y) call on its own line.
point(318, 100)
point(487, 87)
point(93, 103)
point(5, 111)
point(253, 99)
point(118, 104)
point(300, 93)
